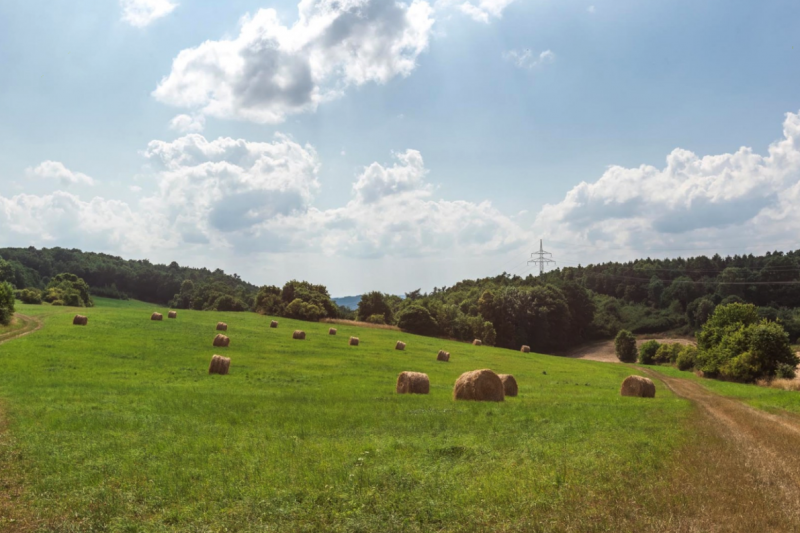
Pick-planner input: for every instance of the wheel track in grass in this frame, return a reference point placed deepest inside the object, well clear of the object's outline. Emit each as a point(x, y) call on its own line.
point(768, 445)
point(13, 516)
point(31, 324)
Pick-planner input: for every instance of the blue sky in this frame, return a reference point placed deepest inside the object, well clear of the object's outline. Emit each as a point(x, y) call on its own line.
point(560, 115)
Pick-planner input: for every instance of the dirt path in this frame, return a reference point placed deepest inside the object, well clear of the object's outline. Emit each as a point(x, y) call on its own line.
point(604, 350)
point(30, 324)
point(748, 466)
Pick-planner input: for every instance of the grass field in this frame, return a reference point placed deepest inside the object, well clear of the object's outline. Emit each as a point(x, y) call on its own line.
point(117, 426)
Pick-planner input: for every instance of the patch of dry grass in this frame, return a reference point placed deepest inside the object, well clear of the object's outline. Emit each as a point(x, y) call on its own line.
point(359, 324)
point(783, 384)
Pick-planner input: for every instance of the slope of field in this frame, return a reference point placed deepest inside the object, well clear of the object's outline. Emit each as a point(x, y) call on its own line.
point(117, 426)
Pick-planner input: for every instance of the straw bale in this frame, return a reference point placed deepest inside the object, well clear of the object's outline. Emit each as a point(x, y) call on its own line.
point(509, 384)
point(638, 386)
point(481, 385)
point(413, 383)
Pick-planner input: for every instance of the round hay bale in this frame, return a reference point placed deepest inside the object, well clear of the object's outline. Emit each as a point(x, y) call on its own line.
point(222, 326)
point(525, 349)
point(481, 385)
point(509, 384)
point(353, 341)
point(400, 345)
point(477, 342)
point(638, 386)
point(443, 356)
point(80, 320)
point(222, 341)
point(299, 335)
point(273, 324)
point(172, 314)
point(156, 316)
point(332, 331)
point(219, 365)
point(413, 383)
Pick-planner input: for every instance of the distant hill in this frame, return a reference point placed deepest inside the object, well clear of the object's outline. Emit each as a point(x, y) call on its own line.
point(347, 301)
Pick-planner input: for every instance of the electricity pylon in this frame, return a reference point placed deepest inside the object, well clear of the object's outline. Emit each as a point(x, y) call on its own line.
point(541, 259)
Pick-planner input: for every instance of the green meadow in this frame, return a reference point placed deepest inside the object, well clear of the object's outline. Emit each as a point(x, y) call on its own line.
point(117, 426)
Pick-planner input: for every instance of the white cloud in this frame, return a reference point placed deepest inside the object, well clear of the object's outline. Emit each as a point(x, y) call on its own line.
point(270, 71)
point(62, 218)
point(393, 214)
point(527, 59)
point(485, 10)
point(188, 123)
point(258, 197)
point(694, 201)
point(56, 170)
point(141, 13)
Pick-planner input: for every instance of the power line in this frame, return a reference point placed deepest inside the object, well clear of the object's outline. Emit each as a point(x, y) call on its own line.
point(541, 259)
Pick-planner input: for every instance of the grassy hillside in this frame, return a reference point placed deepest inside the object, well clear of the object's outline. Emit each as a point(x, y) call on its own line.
point(117, 426)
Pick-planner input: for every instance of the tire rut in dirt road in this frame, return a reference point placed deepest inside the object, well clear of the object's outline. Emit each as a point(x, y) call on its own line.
point(768, 443)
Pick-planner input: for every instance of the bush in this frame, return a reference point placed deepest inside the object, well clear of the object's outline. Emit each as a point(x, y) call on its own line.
point(30, 296)
point(647, 352)
point(6, 303)
point(625, 346)
point(417, 319)
point(667, 353)
point(687, 358)
point(303, 311)
point(68, 289)
point(376, 319)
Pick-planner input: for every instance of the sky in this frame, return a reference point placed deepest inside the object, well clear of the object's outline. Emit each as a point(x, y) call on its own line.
point(380, 145)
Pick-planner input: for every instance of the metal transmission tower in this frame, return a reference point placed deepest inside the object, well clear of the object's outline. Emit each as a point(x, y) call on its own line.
point(541, 259)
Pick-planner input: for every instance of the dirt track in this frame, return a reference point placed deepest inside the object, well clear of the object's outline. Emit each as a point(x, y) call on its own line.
point(750, 479)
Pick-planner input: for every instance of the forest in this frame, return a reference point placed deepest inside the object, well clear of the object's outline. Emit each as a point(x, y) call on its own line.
point(550, 312)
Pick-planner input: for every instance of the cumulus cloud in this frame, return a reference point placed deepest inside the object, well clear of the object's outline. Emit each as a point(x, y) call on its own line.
point(393, 213)
point(141, 13)
point(526, 59)
point(225, 190)
point(485, 10)
point(57, 171)
point(694, 200)
point(188, 123)
point(270, 71)
point(63, 218)
point(258, 197)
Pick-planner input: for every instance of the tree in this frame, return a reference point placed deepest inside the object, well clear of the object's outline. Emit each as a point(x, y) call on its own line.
point(6, 303)
point(268, 301)
point(737, 344)
point(417, 319)
point(374, 303)
point(625, 346)
point(654, 290)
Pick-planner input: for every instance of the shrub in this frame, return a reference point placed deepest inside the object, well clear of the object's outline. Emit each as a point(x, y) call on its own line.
point(376, 319)
point(667, 353)
point(687, 358)
point(30, 296)
point(303, 311)
point(68, 289)
point(647, 352)
point(6, 303)
point(417, 319)
point(625, 346)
